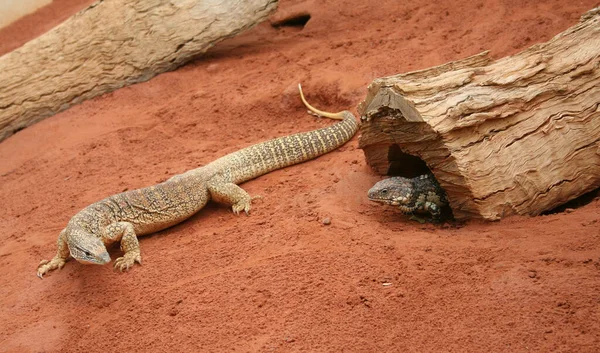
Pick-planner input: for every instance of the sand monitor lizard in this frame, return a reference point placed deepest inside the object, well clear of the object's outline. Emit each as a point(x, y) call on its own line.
point(125, 216)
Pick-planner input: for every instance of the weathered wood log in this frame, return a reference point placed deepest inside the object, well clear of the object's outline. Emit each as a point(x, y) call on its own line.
point(111, 44)
point(520, 135)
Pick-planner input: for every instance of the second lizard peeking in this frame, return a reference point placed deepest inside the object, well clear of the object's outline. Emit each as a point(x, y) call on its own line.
point(421, 194)
point(125, 216)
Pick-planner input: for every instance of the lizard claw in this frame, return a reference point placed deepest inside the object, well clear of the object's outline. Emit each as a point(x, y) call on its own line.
point(41, 271)
point(417, 218)
point(244, 205)
point(128, 260)
point(241, 206)
point(46, 266)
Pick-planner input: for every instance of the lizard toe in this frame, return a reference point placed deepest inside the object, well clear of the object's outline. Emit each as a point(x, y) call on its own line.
point(120, 263)
point(41, 273)
point(46, 266)
point(238, 207)
point(125, 262)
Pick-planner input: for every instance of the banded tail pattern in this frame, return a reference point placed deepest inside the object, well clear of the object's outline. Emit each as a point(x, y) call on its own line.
point(259, 159)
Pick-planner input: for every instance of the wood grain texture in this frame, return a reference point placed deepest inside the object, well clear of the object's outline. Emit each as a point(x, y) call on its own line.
point(519, 135)
point(111, 44)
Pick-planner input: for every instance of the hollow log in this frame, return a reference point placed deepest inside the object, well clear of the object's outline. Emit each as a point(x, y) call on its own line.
point(519, 135)
point(111, 44)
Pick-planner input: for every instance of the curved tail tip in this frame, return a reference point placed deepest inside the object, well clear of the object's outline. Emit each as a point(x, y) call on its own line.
point(302, 95)
point(336, 116)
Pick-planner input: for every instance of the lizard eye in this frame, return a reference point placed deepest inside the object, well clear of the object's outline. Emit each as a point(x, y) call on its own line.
point(384, 191)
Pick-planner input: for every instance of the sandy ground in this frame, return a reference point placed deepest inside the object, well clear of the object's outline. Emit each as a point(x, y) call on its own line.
point(279, 280)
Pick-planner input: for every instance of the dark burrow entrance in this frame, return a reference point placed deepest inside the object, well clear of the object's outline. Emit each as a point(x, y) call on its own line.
point(580, 201)
point(297, 20)
point(405, 165)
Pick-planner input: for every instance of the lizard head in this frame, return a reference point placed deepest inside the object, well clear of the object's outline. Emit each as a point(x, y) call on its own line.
point(86, 247)
point(395, 191)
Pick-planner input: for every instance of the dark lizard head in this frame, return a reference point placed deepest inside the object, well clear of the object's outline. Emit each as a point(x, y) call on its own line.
point(395, 191)
point(86, 247)
point(421, 194)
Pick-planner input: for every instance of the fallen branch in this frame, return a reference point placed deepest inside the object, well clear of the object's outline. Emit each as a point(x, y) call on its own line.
point(520, 135)
point(111, 44)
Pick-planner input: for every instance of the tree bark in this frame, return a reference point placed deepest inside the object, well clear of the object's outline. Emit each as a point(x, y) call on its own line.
point(520, 135)
point(111, 44)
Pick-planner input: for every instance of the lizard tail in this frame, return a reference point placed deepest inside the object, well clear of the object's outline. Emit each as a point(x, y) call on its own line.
point(261, 158)
point(335, 116)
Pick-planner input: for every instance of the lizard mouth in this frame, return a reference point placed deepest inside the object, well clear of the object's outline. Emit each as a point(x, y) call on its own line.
point(395, 201)
point(384, 201)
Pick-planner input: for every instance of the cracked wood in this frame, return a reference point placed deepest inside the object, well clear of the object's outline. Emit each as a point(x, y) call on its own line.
point(109, 45)
point(519, 135)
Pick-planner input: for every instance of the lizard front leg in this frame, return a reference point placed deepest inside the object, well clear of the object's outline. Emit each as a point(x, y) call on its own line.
point(58, 261)
point(230, 194)
point(123, 231)
point(434, 210)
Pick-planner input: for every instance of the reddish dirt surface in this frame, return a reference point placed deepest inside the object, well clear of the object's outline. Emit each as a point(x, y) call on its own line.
point(280, 280)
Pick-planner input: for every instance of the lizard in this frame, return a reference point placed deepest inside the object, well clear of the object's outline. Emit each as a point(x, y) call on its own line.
point(125, 216)
point(419, 194)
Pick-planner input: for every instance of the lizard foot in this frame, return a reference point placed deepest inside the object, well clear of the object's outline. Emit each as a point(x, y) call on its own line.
point(127, 261)
point(241, 206)
point(46, 266)
point(244, 205)
point(418, 219)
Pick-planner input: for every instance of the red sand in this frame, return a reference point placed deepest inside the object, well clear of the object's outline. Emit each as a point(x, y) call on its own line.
point(280, 280)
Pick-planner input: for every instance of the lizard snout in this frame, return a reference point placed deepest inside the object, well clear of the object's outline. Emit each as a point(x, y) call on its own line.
point(105, 257)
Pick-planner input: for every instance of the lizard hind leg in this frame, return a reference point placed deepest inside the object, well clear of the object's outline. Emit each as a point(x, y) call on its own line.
point(230, 194)
point(130, 246)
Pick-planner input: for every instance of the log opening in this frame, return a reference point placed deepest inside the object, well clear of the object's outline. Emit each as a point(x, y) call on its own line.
point(404, 164)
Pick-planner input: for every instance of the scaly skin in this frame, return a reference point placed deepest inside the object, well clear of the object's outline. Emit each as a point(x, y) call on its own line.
point(419, 194)
point(125, 216)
